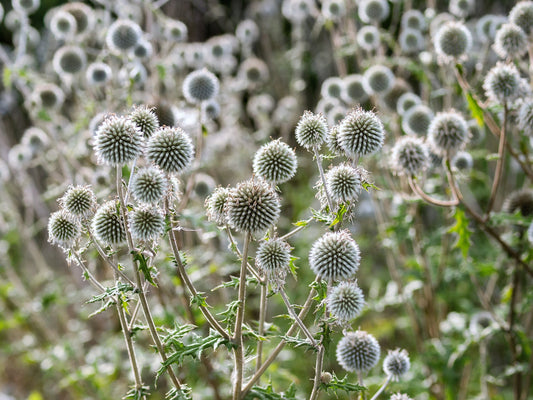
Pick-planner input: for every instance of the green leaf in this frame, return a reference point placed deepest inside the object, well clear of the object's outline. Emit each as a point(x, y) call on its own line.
point(184, 393)
point(44, 116)
point(199, 300)
point(462, 231)
point(336, 384)
point(204, 130)
point(161, 71)
point(292, 266)
point(339, 216)
point(268, 393)
point(369, 185)
point(7, 77)
point(475, 109)
point(143, 267)
point(299, 342)
point(35, 396)
point(137, 394)
point(301, 223)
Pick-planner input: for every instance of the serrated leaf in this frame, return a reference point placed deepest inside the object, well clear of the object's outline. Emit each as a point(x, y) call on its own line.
point(268, 393)
point(143, 267)
point(339, 216)
point(369, 185)
point(137, 393)
point(462, 231)
point(184, 393)
point(297, 342)
point(302, 222)
point(336, 384)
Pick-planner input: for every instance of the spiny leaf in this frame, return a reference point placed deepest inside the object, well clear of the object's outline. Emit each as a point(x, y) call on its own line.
point(336, 384)
point(369, 185)
point(268, 393)
point(339, 216)
point(184, 393)
point(143, 267)
point(462, 230)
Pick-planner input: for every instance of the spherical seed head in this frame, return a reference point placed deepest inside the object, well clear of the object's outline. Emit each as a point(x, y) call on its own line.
point(143, 49)
point(361, 132)
point(149, 185)
point(200, 85)
point(373, 10)
point(480, 321)
point(333, 10)
point(63, 229)
point(345, 301)
point(378, 79)
point(98, 73)
point(343, 183)
point(410, 156)
point(448, 133)
point(358, 351)
point(247, 31)
point(253, 72)
point(215, 205)
point(145, 119)
point(69, 60)
point(417, 119)
point(273, 258)
point(252, 206)
point(396, 364)
point(166, 114)
point(171, 149)
point(502, 83)
point(332, 87)
point(335, 256)
point(510, 41)
point(49, 96)
point(522, 15)
point(146, 223)
point(407, 101)
point(463, 161)
point(63, 25)
point(35, 139)
point(390, 99)
point(333, 141)
point(108, 225)
point(413, 19)
point(368, 37)
point(411, 41)
point(353, 90)
point(484, 27)
point(311, 130)
point(175, 30)
point(461, 8)
point(400, 396)
point(525, 116)
point(452, 41)
point(118, 141)
point(210, 109)
point(26, 6)
point(123, 35)
point(83, 14)
point(79, 201)
point(275, 162)
point(519, 200)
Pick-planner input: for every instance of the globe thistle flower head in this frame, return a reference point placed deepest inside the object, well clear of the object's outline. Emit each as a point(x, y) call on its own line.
point(477, 134)
point(407, 101)
point(48, 96)
point(358, 351)
point(333, 141)
point(149, 185)
point(510, 41)
point(417, 119)
point(12, 21)
point(253, 72)
point(413, 19)
point(410, 156)
point(361, 133)
point(143, 49)
point(378, 79)
point(19, 156)
point(448, 133)
point(118, 141)
point(353, 91)
point(123, 35)
point(396, 364)
point(26, 7)
point(343, 183)
point(210, 109)
point(98, 73)
point(35, 139)
point(260, 104)
point(273, 258)
point(83, 14)
point(484, 28)
point(63, 25)
point(146, 223)
point(525, 116)
point(335, 256)
point(370, 11)
point(452, 41)
point(252, 206)
point(502, 83)
point(336, 115)
point(390, 98)
point(411, 41)
point(63, 229)
point(461, 8)
point(166, 114)
point(203, 185)
point(200, 85)
point(311, 130)
point(171, 149)
point(145, 120)
point(175, 30)
point(530, 233)
point(368, 38)
point(345, 301)
point(333, 10)
point(79, 201)
point(247, 31)
point(275, 162)
point(519, 201)
point(97, 121)
point(332, 88)
point(479, 322)
point(297, 11)
point(69, 60)
point(462, 161)
point(215, 205)
point(108, 225)
point(400, 396)
point(522, 15)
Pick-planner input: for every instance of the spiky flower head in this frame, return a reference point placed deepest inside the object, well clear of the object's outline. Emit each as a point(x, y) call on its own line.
point(275, 162)
point(378, 79)
point(273, 258)
point(118, 141)
point(396, 364)
point(333, 141)
point(484, 28)
point(448, 133)
point(502, 83)
point(63, 229)
point(145, 119)
point(370, 11)
point(171, 149)
point(210, 109)
point(335, 256)
point(411, 41)
point(417, 119)
point(79, 201)
point(407, 101)
point(477, 134)
point(520, 200)
point(410, 156)
point(333, 10)
point(35, 139)
point(143, 49)
point(413, 19)
point(69, 60)
point(63, 25)
point(175, 30)
point(353, 91)
point(123, 35)
point(253, 72)
point(522, 15)
point(332, 87)
point(510, 41)
point(368, 37)
point(462, 161)
point(26, 7)
point(480, 321)
point(98, 73)
point(146, 223)
point(311, 130)
point(525, 116)
point(149, 185)
point(108, 225)
point(200, 85)
point(83, 14)
point(215, 205)
point(400, 396)
point(247, 31)
point(48, 96)
point(452, 41)
point(461, 8)
point(358, 351)
point(361, 132)
point(345, 301)
point(252, 206)
point(343, 183)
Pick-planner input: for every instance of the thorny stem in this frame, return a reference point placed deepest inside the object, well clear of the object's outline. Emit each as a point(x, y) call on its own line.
point(87, 273)
point(499, 164)
point(139, 285)
point(261, 329)
point(237, 336)
point(296, 319)
point(318, 373)
point(382, 388)
point(234, 246)
point(323, 178)
point(423, 195)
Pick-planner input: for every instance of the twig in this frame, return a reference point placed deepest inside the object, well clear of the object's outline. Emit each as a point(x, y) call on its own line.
point(318, 373)
point(382, 388)
point(440, 203)
point(261, 329)
point(298, 320)
point(499, 164)
point(323, 178)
